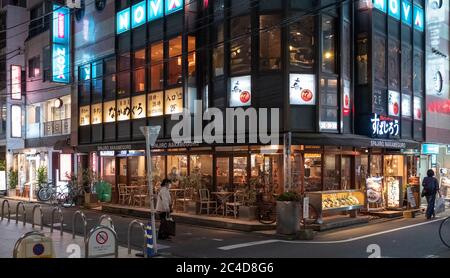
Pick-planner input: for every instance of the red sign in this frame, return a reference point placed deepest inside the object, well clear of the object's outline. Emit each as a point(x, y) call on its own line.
point(101, 237)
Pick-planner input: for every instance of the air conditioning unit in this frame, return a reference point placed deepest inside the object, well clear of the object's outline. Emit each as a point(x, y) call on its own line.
point(73, 4)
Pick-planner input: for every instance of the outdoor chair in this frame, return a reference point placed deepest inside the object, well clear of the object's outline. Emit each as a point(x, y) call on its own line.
point(182, 198)
point(233, 207)
point(123, 194)
point(140, 196)
point(205, 201)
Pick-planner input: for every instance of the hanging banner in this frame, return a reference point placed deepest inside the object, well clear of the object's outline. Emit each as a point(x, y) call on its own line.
point(374, 190)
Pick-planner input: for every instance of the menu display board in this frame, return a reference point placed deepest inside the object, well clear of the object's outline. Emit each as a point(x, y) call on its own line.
point(374, 190)
point(85, 116)
point(393, 185)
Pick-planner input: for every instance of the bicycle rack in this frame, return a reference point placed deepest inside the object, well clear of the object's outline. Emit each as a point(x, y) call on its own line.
point(107, 218)
point(33, 214)
point(144, 244)
point(83, 217)
point(3, 210)
point(61, 219)
point(24, 236)
point(24, 213)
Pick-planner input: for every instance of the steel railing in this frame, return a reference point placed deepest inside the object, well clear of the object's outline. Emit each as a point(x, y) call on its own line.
point(41, 216)
point(24, 213)
point(74, 218)
point(3, 210)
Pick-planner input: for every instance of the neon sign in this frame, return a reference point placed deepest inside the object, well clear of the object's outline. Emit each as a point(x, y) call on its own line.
point(145, 11)
point(383, 126)
point(61, 46)
point(404, 10)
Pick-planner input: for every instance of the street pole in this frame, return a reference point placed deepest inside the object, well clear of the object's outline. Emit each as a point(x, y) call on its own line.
point(151, 134)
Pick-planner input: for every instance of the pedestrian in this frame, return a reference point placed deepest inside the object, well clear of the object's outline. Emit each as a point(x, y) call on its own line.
point(430, 188)
point(164, 208)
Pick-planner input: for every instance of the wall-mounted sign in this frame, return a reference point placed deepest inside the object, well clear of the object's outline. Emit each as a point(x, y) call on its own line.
point(387, 144)
point(430, 149)
point(16, 121)
point(240, 91)
point(393, 191)
point(448, 149)
point(393, 103)
point(145, 11)
point(406, 105)
point(374, 190)
point(123, 109)
point(85, 115)
point(407, 13)
point(173, 101)
point(383, 126)
point(138, 108)
point(346, 99)
point(418, 18)
point(418, 114)
point(61, 44)
point(16, 82)
point(394, 8)
point(324, 125)
point(402, 9)
point(109, 115)
point(302, 89)
point(96, 114)
point(155, 104)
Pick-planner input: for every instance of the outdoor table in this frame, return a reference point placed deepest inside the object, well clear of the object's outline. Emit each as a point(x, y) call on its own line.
point(174, 193)
point(223, 197)
point(132, 189)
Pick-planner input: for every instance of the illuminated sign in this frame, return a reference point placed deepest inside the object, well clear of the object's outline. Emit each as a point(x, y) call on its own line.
point(173, 6)
point(139, 13)
point(393, 103)
point(16, 121)
point(138, 107)
point(61, 44)
point(406, 105)
point(155, 9)
point(419, 18)
point(241, 91)
point(394, 8)
point(380, 5)
point(155, 104)
point(407, 13)
point(16, 82)
point(85, 115)
point(96, 113)
point(328, 125)
point(123, 109)
point(110, 111)
point(402, 9)
point(418, 114)
point(173, 101)
point(383, 126)
point(302, 89)
point(346, 101)
point(145, 11)
point(430, 149)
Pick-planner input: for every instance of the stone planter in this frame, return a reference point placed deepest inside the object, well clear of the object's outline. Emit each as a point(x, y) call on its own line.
point(11, 192)
point(288, 217)
point(90, 198)
point(247, 213)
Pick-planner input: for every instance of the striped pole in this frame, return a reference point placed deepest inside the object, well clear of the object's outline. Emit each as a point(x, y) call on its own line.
point(149, 236)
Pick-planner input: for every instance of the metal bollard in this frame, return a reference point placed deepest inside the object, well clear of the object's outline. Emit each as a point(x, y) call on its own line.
point(106, 217)
point(42, 216)
point(24, 212)
point(19, 241)
point(144, 244)
point(83, 217)
point(3, 209)
point(61, 219)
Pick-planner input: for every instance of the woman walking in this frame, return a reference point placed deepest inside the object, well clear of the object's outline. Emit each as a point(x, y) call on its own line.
point(163, 208)
point(430, 188)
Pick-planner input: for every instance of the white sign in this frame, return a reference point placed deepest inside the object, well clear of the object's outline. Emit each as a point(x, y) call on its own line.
point(16, 121)
point(241, 91)
point(16, 82)
point(328, 125)
point(302, 89)
point(393, 192)
point(2, 180)
point(406, 105)
point(411, 198)
point(101, 242)
point(305, 207)
point(394, 103)
point(418, 114)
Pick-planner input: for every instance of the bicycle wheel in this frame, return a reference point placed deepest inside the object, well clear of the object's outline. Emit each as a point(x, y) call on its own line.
point(444, 232)
point(266, 215)
point(44, 194)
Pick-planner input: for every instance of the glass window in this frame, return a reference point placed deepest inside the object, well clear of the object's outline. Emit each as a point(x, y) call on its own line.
point(108, 169)
point(346, 51)
point(269, 42)
point(328, 44)
point(218, 60)
point(222, 173)
point(84, 86)
point(97, 81)
point(124, 61)
point(302, 44)
point(362, 61)
point(313, 171)
point(393, 166)
point(379, 59)
point(110, 78)
point(239, 171)
point(362, 168)
point(175, 61)
point(418, 72)
point(123, 84)
point(191, 60)
point(139, 71)
point(406, 69)
point(376, 165)
point(173, 101)
point(331, 175)
point(176, 167)
point(158, 168)
point(202, 165)
point(240, 47)
point(157, 66)
point(394, 64)
point(136, 165)
point(109, 114)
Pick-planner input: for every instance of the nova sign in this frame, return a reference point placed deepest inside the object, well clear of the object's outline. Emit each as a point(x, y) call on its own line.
point(60, 44)
point(145, 11)
point(402, 9)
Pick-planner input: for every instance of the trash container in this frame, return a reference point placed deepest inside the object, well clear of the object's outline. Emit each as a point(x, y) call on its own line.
point(103, 190)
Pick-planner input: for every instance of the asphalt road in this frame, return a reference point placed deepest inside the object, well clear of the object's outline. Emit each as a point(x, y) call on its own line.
point(403, 238)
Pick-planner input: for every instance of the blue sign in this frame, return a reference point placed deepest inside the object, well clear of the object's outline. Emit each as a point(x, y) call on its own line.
point(407, 12)
point(419, 18)
point(155, 9)
point(139, 13)
point(380, 5)
point(61, 44)
point(430, 149)
point(60, 63)
point(123, 21)
point(173, 6)
point(394, 8)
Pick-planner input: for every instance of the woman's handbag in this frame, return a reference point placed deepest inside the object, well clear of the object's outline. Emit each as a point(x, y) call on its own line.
point(439, 205)
point(170, 226)
point(424, 193)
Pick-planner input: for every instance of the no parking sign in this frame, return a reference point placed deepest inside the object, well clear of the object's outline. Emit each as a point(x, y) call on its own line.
point(101, 242)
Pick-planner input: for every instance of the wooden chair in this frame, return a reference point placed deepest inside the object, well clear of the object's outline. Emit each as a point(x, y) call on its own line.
point(123, 195)
point(205, 200)
point(140, 196)
point(233, 207)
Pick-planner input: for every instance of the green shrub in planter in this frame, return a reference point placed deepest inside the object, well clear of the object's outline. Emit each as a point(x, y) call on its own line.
point(289, 197)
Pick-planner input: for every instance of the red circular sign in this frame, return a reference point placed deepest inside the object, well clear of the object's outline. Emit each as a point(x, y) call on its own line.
point(244, 96)
point(306, 95)
point(101, 237)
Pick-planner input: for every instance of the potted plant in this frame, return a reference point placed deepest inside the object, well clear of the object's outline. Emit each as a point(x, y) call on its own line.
point(192, 185)
point(288, 213)
point(86, 181)
point(41, 176)
point(13, 177)
point(247, 211)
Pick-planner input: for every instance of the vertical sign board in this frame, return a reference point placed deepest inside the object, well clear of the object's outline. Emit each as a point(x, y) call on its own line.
point(16, 82)
point(61, 44)
point(16, 121)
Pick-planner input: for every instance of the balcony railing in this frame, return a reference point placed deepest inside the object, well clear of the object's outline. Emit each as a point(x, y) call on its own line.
point(59, 127)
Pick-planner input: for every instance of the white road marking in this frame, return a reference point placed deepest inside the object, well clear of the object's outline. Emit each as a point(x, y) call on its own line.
point(253, 243)
point(217, 239)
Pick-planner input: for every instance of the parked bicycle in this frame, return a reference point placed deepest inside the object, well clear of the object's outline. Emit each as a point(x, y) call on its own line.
point(46, 192)
point(444, 232)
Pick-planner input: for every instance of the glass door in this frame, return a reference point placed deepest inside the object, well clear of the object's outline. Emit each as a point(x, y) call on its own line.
point(346, 170)
point(123, 170)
